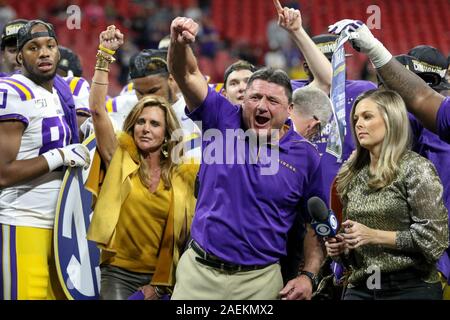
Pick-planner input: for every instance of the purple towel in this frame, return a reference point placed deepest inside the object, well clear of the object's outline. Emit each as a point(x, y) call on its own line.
point(338, 271)
point(138, 295)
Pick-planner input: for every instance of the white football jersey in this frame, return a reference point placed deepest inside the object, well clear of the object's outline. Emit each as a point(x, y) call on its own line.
point(33, 203)
point(119, 107)
point(191, 132)
point(80, 91)
point(128, 90)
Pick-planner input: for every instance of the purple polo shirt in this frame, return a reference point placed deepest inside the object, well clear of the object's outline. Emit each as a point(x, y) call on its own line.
point(329, 163)
point(430, 146)
point(243, 216)
point(443, 120)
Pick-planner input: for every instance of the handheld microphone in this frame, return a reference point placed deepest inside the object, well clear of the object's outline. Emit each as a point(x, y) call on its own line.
point(324, 223)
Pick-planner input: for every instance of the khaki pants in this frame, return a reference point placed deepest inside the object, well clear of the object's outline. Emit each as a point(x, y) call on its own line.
point(195, 281)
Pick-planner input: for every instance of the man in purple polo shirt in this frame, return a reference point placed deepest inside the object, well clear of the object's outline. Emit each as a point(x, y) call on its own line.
point(244, 208)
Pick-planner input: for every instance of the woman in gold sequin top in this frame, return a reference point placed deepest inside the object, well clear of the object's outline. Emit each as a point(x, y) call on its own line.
point(395, 223)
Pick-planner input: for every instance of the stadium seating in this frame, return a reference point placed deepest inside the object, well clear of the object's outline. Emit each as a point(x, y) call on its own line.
point(404, 23)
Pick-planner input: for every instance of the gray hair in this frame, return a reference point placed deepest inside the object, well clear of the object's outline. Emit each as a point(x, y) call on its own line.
point(310, 102)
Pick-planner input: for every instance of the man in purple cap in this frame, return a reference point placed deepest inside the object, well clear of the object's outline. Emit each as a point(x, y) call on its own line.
point(252, 185)
point(36, 132)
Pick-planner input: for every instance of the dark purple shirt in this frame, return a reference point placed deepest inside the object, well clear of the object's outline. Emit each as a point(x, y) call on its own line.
point(330, 164)
point(430, 146)
point(243, 216)
point(443, 120)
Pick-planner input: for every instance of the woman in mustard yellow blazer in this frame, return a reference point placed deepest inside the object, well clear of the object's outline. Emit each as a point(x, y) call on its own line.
point(144, 194)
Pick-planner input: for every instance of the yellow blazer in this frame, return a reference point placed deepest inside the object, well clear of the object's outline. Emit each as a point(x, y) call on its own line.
point(111, 190)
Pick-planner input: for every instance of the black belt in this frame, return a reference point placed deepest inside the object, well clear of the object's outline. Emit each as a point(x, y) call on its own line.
point(388, 278)
point(216, 263)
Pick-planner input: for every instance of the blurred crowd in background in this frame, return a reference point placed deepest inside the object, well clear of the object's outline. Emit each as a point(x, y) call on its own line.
point(234, 29)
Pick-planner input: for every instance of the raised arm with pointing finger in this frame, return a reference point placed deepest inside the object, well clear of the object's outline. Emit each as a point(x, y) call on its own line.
point(291, 20)
point(431, 108)
point(183, 64)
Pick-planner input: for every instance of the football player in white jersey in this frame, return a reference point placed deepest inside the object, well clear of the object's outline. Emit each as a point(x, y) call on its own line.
point(36, 133)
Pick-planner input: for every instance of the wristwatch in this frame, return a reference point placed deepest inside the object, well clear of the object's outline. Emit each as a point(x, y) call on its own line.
point(311, 277)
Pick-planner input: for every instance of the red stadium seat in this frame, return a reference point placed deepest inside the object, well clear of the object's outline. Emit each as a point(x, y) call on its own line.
point(404, 23)
point(221, 62)
point(207, 67)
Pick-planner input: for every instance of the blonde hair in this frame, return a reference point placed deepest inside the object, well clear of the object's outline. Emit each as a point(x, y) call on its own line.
point(396, 142)
point(172, 124)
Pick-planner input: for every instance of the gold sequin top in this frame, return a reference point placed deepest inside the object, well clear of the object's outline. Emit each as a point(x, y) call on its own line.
point(411, 205)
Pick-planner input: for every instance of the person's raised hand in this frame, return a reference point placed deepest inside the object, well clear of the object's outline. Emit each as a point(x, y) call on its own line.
point(363, 40)
point(288, 18)
point(111, 38)
point(345, 24)
point(184, 30)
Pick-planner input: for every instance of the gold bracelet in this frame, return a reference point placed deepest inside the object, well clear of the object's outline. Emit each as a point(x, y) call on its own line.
point(102, 69)
point(102, 56)
point(106, 50)
point(102, 64)
point(100, 83)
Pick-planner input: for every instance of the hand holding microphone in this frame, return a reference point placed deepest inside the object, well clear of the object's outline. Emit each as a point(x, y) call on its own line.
point(335, 246)
point(326, 225)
